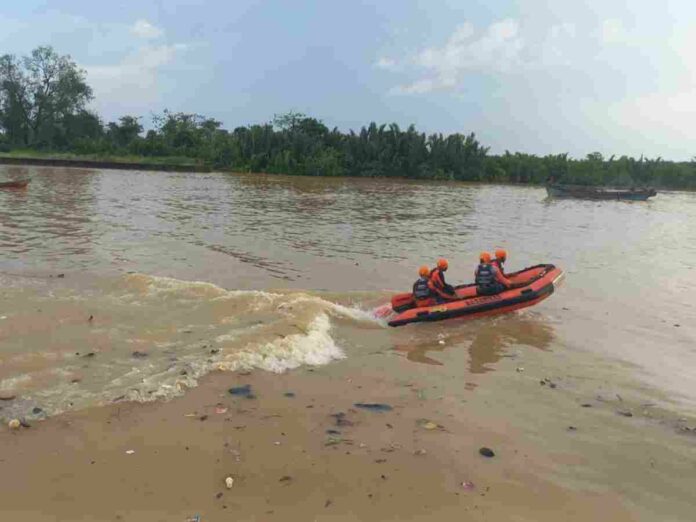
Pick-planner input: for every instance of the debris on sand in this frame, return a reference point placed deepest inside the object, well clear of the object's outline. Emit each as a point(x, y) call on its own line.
point(429, 425)
point(486, 452)
point(241, 391)
point(548, 381)
point(376, 406)
point(229, 482)
point(332, 441)
point(341, 419)
point(139, 355)
point(14, 424)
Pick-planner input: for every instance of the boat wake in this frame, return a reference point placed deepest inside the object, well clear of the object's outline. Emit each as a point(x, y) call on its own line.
point(144, 338)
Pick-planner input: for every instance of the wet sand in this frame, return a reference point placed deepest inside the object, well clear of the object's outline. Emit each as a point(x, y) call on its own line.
point(285, 463)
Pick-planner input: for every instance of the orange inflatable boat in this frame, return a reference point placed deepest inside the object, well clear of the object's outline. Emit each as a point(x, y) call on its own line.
point(531, 286)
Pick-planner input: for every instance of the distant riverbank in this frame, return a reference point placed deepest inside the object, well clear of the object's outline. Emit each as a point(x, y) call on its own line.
point(106, 162)
point(495, 169)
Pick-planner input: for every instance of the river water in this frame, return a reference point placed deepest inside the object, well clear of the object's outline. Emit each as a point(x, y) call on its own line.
point(183, 273)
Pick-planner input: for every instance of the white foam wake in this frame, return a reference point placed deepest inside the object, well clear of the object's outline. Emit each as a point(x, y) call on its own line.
point(314, 347)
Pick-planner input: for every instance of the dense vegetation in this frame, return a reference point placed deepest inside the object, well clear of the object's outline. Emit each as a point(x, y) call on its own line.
point(43, 107)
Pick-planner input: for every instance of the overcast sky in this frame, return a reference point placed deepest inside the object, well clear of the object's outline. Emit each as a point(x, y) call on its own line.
point(539, 76)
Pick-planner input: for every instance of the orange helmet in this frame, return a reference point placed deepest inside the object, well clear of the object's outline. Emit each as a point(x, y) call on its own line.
point(442, 263)
point(501, 254)
point(485, 257)
point(423, 271)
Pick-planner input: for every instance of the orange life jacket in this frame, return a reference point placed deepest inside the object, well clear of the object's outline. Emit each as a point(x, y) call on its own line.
point(435, 279)
point(437, 285)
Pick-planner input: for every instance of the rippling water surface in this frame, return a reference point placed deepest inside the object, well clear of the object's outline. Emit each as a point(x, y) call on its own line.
point(198, 271)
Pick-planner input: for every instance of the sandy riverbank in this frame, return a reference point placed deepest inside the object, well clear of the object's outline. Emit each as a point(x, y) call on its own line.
point(285, 463)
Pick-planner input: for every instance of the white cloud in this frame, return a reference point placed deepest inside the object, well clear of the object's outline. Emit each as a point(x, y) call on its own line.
point(133, 83)
point(507, 47)
point(659, 124)
point(676, 109)
point(563, 30)
point(497, 48)
point(559, 47)
point(425, 85)
point(387, 64)
point(462, 33)
point(613, 31)
point(665, 114)
point(145, 30)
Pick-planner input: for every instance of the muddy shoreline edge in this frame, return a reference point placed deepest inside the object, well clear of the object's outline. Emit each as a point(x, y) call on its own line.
point(96, 164)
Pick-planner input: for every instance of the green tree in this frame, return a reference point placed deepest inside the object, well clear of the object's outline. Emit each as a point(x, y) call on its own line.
point(77, 129)
point(38, 93)
point(123, 133)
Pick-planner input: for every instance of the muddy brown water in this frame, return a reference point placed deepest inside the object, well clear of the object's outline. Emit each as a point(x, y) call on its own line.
point(168, 258)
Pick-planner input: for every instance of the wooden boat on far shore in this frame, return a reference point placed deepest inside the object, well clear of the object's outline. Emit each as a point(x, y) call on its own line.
point(19, 184)
point(600, 193)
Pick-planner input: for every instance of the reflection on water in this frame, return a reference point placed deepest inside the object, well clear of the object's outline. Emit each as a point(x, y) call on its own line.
point(14, 173)
point(486, 340)
point(53, 216)
point(275, 224)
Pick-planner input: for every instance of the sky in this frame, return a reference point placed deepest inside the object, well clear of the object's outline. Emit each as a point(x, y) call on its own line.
point(536, 76)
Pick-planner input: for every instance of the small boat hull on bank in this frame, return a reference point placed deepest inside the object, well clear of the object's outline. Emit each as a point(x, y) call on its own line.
point(581, 192)
point(14, 184)
point(533, 285)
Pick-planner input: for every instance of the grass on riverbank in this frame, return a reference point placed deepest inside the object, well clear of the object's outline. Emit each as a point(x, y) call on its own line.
point(143, 160)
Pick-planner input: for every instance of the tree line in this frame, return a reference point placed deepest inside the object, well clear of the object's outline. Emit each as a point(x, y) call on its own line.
point(44, 101)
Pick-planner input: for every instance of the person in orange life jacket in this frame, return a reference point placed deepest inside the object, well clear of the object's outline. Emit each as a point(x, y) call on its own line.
point(500, 258)
point(421, 288)
point(438, 285)
point(489, 279)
